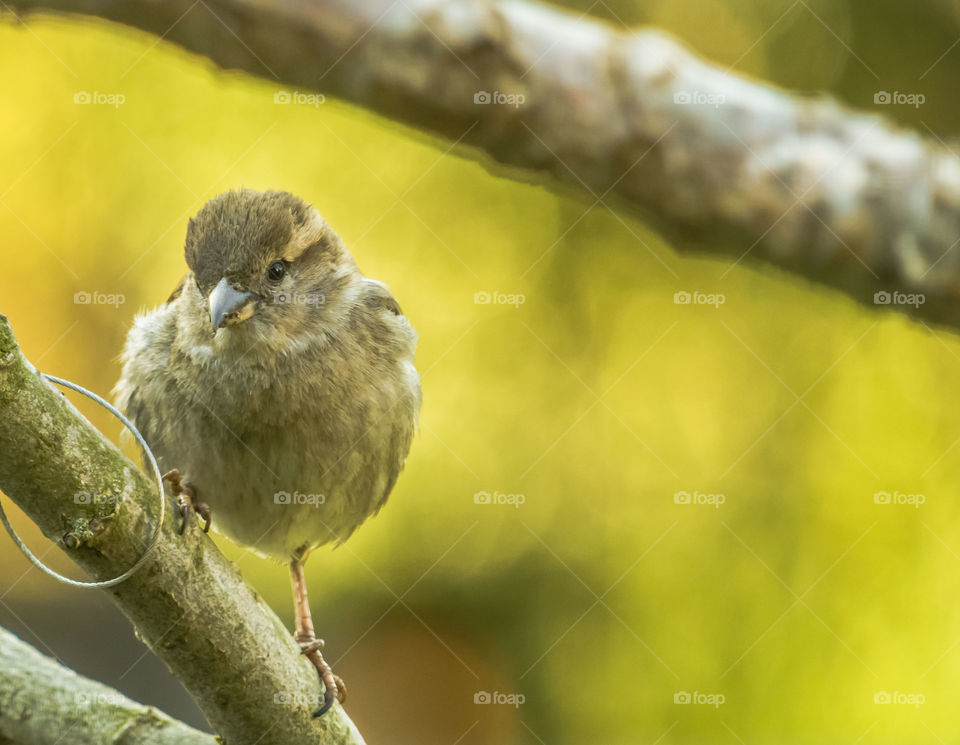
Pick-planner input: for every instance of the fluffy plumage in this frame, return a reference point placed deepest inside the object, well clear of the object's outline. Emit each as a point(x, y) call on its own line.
point(307, 390)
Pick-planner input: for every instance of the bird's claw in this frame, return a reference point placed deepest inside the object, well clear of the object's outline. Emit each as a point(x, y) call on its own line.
point(334, 687)
point(187, 500)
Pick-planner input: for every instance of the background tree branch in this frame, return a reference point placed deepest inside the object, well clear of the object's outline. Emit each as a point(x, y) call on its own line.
point(188, 603)
point(44, 703)
point(724, 164)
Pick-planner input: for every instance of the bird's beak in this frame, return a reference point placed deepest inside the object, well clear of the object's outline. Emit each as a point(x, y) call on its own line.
point(229, 305)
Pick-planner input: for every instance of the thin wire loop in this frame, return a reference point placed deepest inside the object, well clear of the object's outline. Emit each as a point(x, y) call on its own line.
point(156, 470)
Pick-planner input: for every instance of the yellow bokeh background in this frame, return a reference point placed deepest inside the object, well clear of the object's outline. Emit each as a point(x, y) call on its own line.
point(596, 400)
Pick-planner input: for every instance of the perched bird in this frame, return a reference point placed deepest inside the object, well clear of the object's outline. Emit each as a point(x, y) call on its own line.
point(279, 381)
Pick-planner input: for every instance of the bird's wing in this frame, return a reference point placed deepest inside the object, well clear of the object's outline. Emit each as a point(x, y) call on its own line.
point(396, 342)
point(139, 391)
point(178, 289)
point(378, 297)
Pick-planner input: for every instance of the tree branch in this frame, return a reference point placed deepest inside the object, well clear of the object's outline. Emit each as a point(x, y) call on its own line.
point(188, 603)
point(725, 164)
point(45, 703)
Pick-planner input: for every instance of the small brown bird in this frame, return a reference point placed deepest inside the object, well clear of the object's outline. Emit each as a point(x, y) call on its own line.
point(279, 381)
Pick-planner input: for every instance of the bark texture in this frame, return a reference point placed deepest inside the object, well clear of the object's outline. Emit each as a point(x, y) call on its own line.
point(44, 703)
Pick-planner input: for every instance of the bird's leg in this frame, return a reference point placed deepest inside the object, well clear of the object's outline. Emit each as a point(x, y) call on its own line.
point(187, 502)
point(307, 639)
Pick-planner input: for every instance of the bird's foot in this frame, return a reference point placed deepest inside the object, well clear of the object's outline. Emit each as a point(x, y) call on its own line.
point(187, 501)
point(332, 683)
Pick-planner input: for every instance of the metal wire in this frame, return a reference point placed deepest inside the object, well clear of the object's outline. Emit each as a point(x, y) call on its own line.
point(156, 470)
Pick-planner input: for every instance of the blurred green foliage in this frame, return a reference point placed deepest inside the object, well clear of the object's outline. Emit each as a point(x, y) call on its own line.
point(598, 399)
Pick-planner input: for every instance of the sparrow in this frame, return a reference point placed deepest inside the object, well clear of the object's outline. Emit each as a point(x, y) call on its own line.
point(277, 383)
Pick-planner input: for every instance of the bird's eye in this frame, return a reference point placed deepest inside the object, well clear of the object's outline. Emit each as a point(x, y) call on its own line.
point(276, 271)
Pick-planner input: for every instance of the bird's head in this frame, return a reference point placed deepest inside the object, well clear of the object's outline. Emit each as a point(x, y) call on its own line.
point(266, 261)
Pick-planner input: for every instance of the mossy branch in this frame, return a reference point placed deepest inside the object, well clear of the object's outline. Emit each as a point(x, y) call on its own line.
point(188, 603)
point(44, 703)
